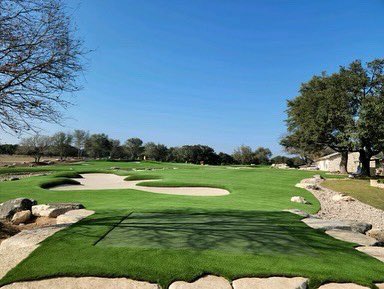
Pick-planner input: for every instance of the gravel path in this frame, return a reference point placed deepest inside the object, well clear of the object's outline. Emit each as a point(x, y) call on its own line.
point(343, 210)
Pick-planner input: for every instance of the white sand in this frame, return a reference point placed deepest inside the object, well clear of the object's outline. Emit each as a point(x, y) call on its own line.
point(112, 181)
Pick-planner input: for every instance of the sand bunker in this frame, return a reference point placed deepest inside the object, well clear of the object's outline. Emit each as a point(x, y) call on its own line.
point(113, 182)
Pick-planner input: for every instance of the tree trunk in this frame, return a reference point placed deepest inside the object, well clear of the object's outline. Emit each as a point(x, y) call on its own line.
point(344, 162)
point(365, 159)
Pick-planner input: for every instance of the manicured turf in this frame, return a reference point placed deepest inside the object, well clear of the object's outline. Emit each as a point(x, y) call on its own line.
point(359, 189)
point(162, 238)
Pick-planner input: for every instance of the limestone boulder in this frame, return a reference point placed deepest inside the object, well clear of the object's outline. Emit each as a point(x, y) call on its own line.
point(378, 234)
point(325, 225)
point(73, 216)
point(271, 283)
point(342, 198)
point(352, 237)
point(21, 217)
point(374, 251)
point(9, 208)
point(342, 286)
point(207, 282)
point(55, 209)
point(299, 199)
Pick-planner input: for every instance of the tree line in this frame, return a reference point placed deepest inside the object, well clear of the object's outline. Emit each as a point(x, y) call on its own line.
point(342, 112)
point(82, 144)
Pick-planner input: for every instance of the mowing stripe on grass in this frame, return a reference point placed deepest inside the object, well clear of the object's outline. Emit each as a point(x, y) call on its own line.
point(113, 227)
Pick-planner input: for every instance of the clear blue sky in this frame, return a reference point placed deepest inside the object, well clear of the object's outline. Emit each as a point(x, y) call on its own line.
point(211, 72)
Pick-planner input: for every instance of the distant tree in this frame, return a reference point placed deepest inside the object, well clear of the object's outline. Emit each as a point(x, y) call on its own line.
point(243, 155)
point(197, 154)
point(61, 144)
point(8, 149)
point(157, 152)
point(134, 148)
point(98, 146)
point(225, 159)
point(40, 59)
point(279, 160)
point(36, 146)
point(79, 139)
point(117, 151)
point(262, 155)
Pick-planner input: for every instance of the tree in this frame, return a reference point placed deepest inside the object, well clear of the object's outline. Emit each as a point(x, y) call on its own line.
point(225, 159)
point(79, 139)
point(40, 59)
point(243, 155)
point(117, 151)
point(342, 111)
point(133, 148)
point(8, 149)
point(262, 155)
point(157, 152)
point(35, 146)
point(61, 144)
point(98, 146)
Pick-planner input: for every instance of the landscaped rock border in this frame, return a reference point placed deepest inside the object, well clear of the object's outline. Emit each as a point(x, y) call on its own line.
point(375, 183)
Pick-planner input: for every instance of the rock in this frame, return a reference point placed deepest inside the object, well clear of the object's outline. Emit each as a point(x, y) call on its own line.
point(318, 177)
point(9, 208)
point(73, 216)
point(21, 217)
point(207, 282)
point(342, 197)
point(378, 234)
point(380, 286)
point(360, 227)
point(270, 283)
point(342, 286)
point(313, 187)
point(83, 283)
point(55, 209)
point(322, 224)
point(297, 212)
point(325, 225)
point(352, 237)
point(298, 199)
point(375, 252)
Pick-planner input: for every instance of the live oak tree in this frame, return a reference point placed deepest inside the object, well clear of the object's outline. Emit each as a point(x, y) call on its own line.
point(40, 60)
point(133, 148)
point(343, 111)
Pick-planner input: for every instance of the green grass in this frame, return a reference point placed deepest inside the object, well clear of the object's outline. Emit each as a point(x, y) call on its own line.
point(359, 189)
point(162, 238)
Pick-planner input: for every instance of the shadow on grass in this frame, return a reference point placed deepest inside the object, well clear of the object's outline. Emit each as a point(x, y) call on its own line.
point(257, 232)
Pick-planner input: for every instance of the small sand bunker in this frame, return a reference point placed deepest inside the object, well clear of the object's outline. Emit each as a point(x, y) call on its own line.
point(115, 182)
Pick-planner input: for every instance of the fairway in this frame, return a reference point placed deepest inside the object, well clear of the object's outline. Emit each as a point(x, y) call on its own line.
point(161, 238)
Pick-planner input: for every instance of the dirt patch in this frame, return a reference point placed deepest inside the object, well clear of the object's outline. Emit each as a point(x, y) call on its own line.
point(7, 230)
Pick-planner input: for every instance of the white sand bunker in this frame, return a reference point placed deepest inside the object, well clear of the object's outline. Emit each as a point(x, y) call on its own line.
point(113, 182)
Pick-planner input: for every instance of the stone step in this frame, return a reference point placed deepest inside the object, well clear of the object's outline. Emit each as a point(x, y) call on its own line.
point(376, 252)
point(352, 237)
point(271, 283)
point(207, 282)
point(342, 286)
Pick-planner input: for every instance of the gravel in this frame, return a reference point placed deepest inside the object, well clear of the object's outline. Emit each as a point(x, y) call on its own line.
point(345, 210)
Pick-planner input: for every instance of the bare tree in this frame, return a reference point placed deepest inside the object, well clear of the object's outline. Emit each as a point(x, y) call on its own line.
point(35, 146)
point(79, 139)
point(40, 60)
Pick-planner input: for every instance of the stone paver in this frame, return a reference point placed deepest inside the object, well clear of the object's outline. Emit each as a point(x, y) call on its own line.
point(327, 224)
point(83, 283)
point(342, 286)
point(270, 283)
point(352, 237)
point(73, 216)
point(376, 252)
point(380, 286)
point(207, 282)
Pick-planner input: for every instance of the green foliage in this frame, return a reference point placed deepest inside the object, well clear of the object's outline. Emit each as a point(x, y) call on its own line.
point(343, 111)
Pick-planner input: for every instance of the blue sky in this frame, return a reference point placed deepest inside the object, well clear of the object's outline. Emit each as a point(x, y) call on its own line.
point(210, 72)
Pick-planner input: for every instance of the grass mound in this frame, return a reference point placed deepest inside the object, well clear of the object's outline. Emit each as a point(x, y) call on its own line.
point(68, 174)
point(142, 177)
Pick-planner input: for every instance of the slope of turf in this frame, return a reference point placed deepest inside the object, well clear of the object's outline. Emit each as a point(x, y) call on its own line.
point(161, 238)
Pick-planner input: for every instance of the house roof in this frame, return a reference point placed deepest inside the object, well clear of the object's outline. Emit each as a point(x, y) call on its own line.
point(328, 156)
